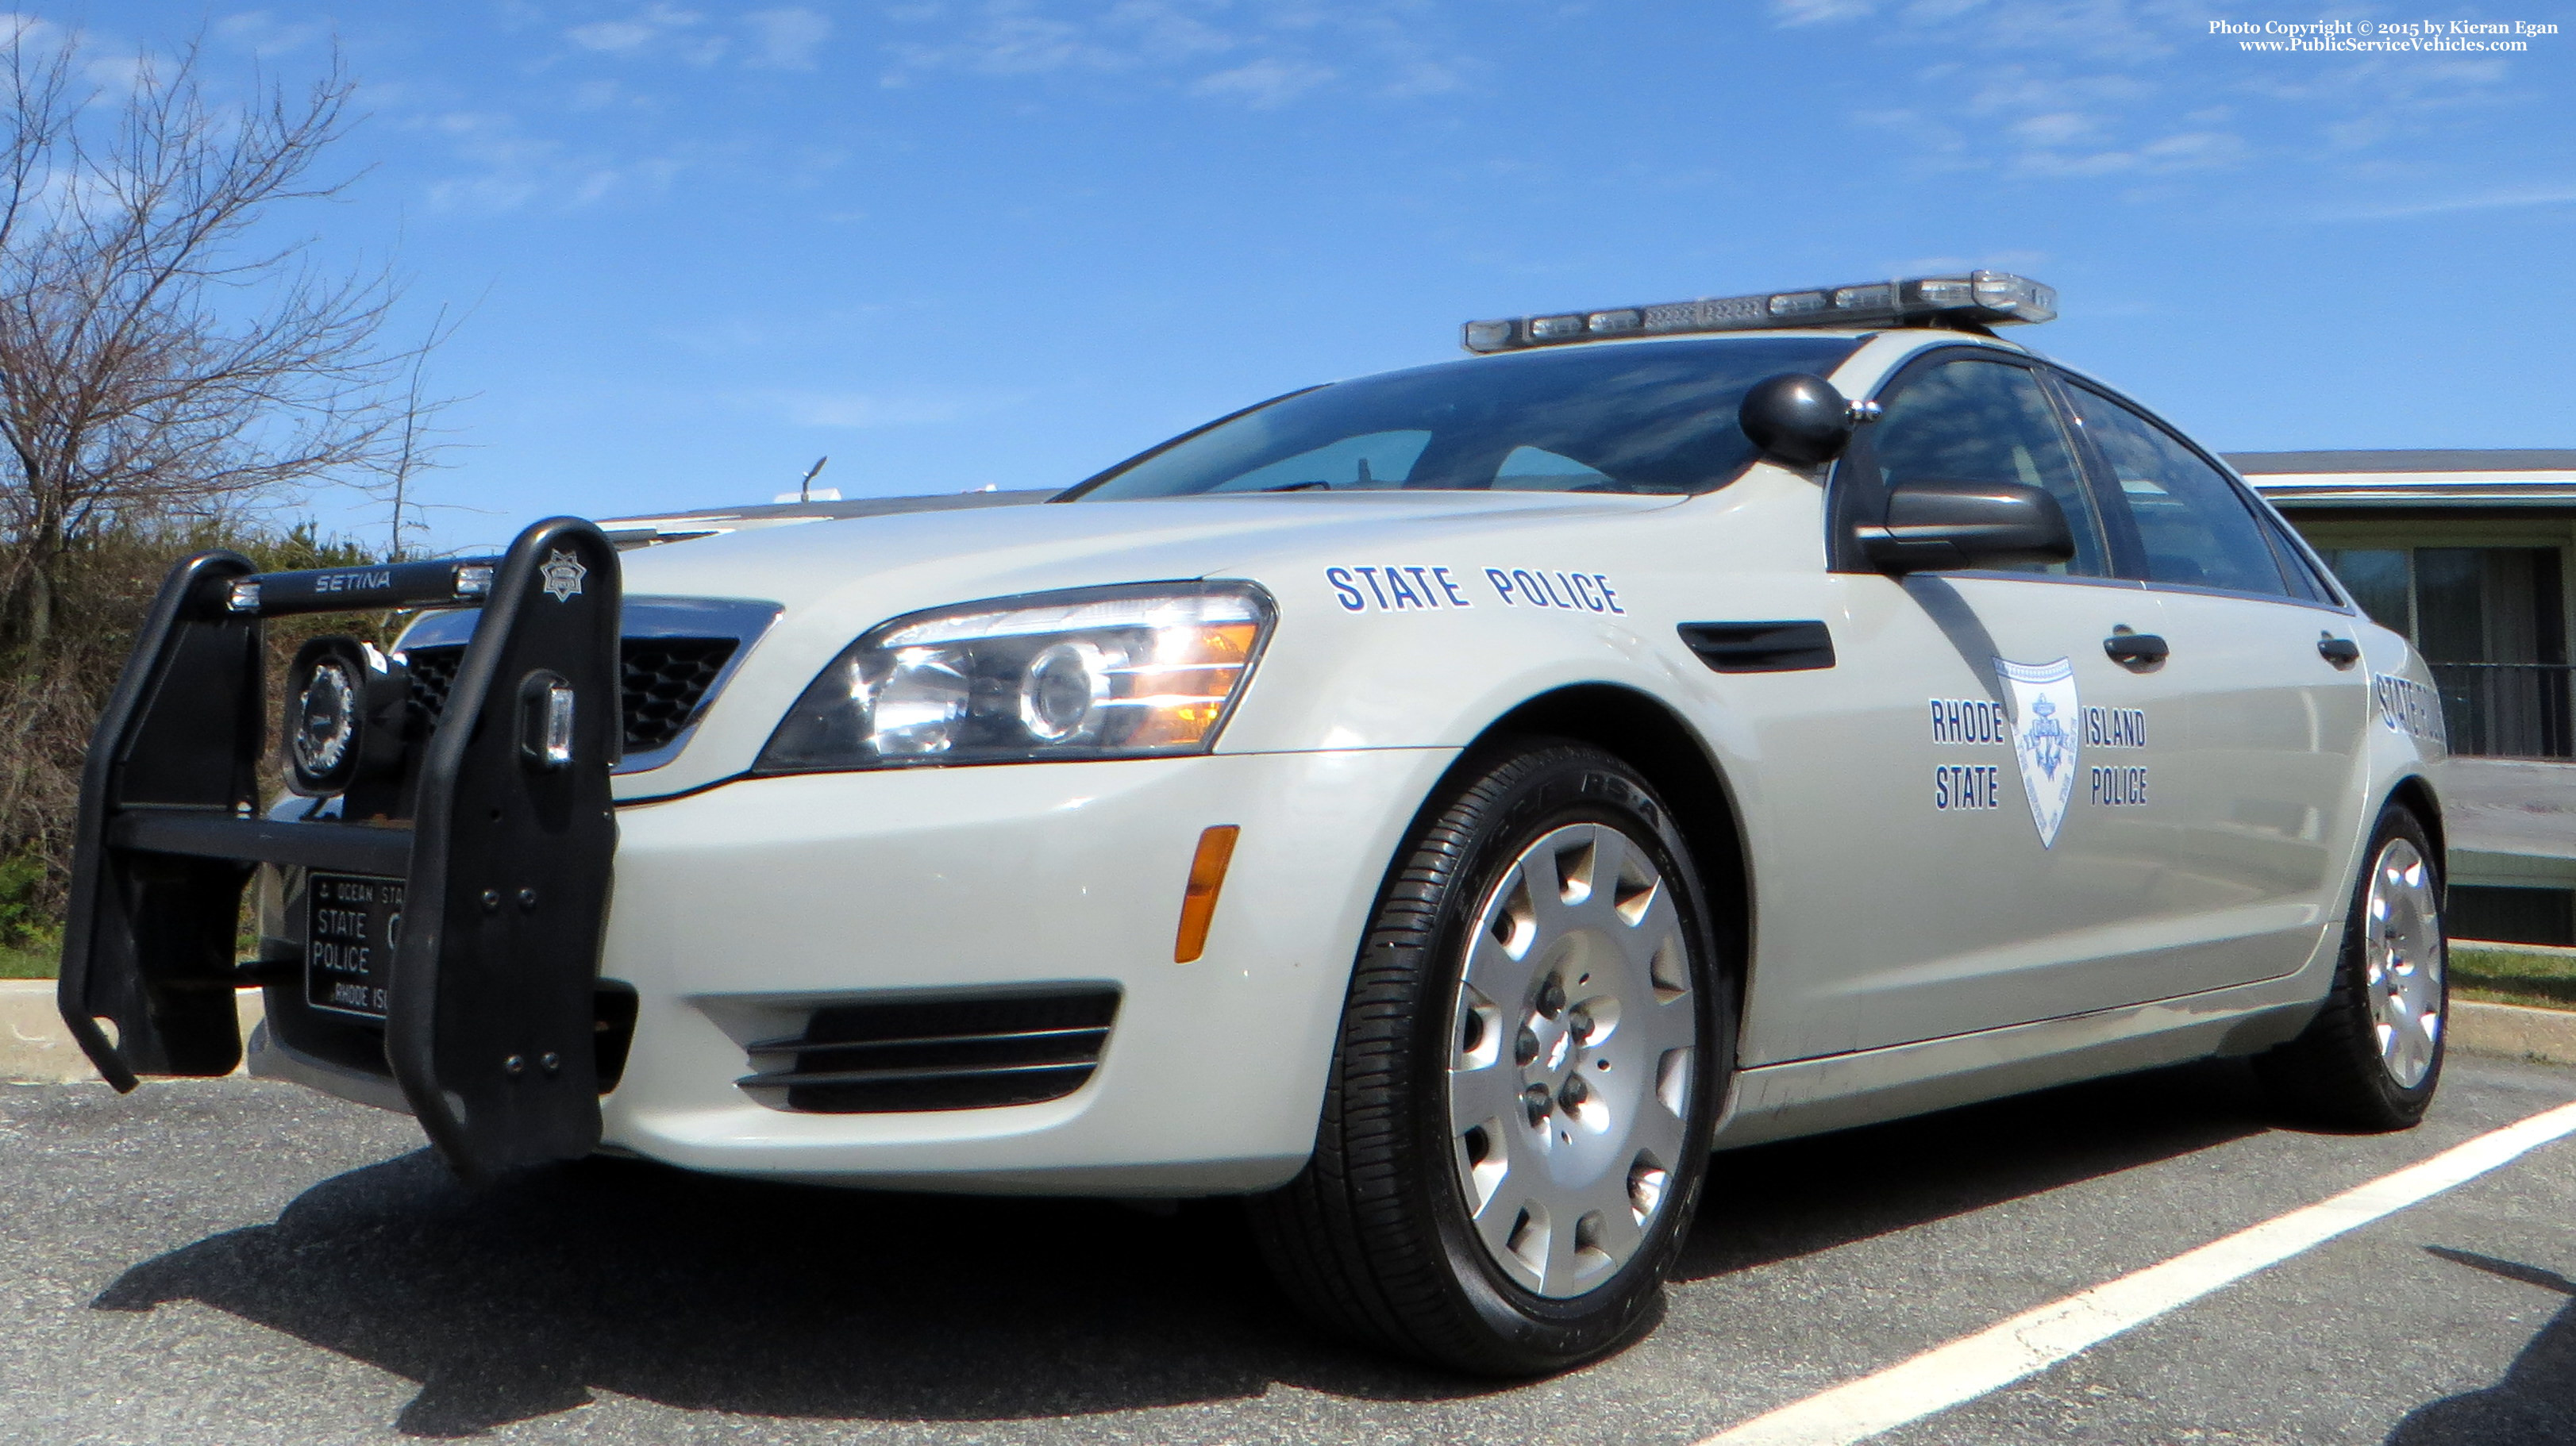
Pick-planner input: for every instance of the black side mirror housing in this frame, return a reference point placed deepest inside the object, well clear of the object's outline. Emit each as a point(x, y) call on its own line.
point(1944, 522)
point(1797, 418)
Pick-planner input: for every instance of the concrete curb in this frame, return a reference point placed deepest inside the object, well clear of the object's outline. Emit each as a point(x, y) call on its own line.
point(2514, 1031)
point(35, 1048)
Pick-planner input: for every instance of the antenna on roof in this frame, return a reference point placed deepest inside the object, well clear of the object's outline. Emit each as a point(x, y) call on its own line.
point(805, 487)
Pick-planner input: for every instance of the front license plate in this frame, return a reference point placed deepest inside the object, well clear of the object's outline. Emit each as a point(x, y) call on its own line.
point(350, 924)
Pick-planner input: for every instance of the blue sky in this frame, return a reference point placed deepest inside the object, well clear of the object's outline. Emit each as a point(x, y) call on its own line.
point(955, 243)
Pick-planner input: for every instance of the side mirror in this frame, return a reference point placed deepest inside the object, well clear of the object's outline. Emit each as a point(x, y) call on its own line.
point(1944, 523)
point(1796, 418)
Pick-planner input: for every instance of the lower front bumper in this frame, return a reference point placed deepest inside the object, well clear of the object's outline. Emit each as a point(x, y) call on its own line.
point(741, 910)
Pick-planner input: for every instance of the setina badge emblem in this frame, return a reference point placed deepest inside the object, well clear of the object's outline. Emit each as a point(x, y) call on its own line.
point(2043, 738)
point(563, 573)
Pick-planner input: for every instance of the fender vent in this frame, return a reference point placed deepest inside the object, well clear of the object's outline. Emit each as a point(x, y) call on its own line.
point(1791, 647)
point(945, 1054)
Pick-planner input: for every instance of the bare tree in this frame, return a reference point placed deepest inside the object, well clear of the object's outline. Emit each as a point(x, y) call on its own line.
point(171, 363)
point(160, 358)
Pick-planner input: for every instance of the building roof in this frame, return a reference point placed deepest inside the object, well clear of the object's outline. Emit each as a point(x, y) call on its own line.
point(2462, 477)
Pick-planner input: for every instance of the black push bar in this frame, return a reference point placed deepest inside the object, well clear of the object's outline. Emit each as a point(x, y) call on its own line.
point(503, 843)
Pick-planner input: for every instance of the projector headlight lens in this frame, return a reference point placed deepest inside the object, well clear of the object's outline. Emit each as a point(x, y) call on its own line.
point(1128, 672)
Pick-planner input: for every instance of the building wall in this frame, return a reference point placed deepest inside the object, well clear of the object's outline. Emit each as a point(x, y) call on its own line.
point(2512, 821)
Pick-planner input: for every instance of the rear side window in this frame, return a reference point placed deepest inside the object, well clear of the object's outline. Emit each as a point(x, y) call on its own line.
point(2196, 528)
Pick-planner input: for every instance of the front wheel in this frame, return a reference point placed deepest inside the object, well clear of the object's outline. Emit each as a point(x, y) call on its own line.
point(2373, 1055)
point(1518, 1116)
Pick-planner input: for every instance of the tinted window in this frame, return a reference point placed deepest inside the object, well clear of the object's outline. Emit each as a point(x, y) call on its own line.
point(2380, 581)
point(1983, 421)
point(1656, 418)
point(2195, 526)
point(2297, 568)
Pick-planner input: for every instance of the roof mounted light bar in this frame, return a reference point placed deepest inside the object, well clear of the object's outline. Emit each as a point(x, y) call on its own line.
point(1987, 298)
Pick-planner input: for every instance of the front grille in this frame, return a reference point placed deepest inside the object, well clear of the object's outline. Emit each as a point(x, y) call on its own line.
point(945, 1054)
point(664, 680)
point(433, 672)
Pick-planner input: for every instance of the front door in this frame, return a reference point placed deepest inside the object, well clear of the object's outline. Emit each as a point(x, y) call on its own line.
point(1975, 835)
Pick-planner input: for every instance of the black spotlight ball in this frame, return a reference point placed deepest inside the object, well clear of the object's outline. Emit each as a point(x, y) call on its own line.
point(1796, 418)
point(343, 715)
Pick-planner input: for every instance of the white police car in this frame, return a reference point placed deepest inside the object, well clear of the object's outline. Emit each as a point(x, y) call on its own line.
point(1442, 806)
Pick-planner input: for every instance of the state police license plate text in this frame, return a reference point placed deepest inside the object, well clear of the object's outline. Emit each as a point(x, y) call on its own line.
point(350, 924)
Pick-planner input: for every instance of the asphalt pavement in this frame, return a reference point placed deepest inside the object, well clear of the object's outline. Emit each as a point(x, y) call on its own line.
point(237, 1262)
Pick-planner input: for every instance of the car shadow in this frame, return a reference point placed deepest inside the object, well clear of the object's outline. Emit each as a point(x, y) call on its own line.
point(2536, 1400)
point(706, 1293)
point(1798, 1197)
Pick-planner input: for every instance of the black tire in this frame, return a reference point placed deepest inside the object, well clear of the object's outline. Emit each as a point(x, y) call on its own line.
point(2333, 1072)
point(1373, 1239)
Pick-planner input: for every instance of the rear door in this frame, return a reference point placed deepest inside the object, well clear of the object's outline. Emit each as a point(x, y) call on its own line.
point(2266, 776)
point(1974, 840)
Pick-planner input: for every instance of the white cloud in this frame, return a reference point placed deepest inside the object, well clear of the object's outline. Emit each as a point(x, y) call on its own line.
point(2092, 88)
point(787, 39)
point(505, 170)
point(263, 34)
point(1264, 84)
point(864, 410)
point(1819, 12)
point(1273, 51)
point(2506, 198)
point(657, 28)
point(1427, 77)
point(2057, 128)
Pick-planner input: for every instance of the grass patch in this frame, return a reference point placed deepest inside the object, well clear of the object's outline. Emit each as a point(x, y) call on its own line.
point(34, 959)
point(2536, 978)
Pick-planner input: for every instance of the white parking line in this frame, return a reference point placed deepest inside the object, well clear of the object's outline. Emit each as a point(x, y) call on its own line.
point(1993, 1358)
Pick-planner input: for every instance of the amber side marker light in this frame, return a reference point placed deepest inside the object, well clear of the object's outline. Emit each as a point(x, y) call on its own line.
point(1198, 901)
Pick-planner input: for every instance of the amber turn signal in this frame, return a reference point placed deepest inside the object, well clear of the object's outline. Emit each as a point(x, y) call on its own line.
point(1198, 901)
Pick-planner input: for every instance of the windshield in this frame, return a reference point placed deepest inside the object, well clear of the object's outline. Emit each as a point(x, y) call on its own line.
point(1657, 418)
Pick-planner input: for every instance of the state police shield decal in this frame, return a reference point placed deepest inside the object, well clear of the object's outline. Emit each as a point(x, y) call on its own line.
point(2043, 737)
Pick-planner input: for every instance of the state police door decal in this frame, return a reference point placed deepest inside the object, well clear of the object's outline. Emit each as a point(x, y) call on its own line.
point(2043, 738)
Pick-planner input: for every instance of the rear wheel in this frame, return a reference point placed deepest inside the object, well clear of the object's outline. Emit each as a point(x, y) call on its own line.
point(2373, 1056)
point(1518, 1116)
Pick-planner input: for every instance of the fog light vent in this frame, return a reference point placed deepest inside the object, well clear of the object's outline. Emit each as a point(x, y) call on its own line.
point(939, 1054)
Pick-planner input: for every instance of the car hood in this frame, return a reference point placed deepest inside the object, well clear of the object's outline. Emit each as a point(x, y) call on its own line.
point(921, 560)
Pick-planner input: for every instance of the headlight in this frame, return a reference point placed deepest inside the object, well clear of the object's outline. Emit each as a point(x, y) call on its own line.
point(1128, 672)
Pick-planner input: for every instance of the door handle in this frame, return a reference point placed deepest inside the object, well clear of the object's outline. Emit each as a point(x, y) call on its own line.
point(2136, 651)
point(2342, 652)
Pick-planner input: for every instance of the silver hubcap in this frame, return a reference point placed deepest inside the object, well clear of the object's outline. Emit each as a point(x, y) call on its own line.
point(2402, 962)
point(1570, 1072)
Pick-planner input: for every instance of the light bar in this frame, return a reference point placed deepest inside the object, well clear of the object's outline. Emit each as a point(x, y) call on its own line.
point(1988, 298)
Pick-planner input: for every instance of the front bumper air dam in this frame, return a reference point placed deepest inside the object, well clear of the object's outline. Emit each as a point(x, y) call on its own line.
point(741, 909)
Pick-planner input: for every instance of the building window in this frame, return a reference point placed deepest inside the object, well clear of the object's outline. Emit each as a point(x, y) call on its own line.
point(2492, 623)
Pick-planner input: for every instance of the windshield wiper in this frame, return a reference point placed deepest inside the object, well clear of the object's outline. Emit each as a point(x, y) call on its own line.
point(1298, 486)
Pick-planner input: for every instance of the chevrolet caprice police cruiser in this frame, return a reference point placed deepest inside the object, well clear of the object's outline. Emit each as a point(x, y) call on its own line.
point(1448, 808)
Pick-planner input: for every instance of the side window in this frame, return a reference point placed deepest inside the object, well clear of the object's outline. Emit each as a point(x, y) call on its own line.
point(1982, 421)
point(2305, 582)
point(2194, 526)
